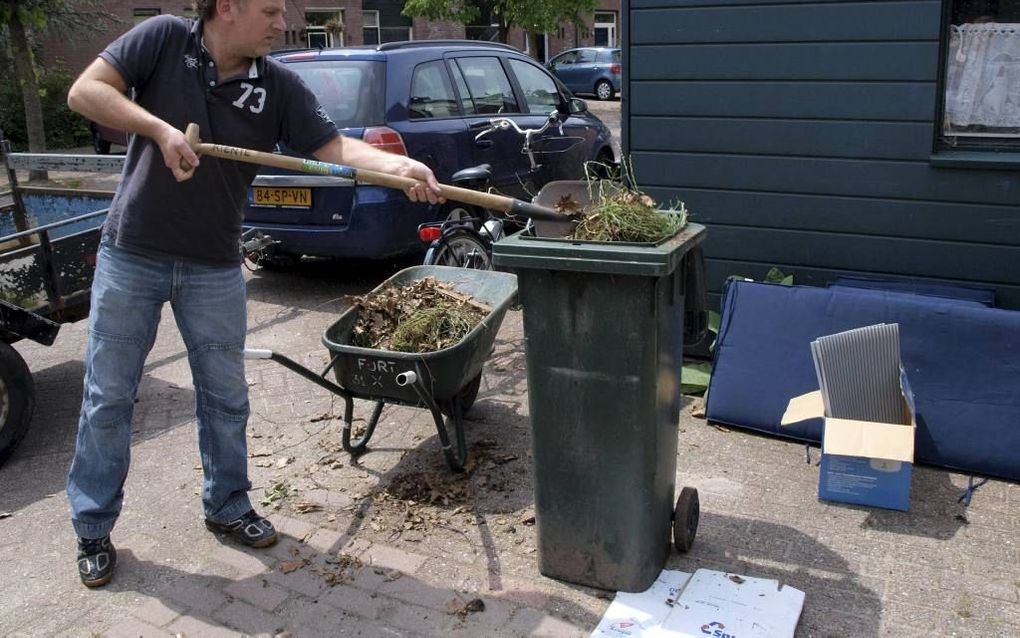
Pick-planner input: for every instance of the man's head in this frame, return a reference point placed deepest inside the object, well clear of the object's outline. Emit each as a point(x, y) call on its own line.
point(248, 26)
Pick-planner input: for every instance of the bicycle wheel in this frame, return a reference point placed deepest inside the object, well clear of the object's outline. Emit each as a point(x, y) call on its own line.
point(463, 249)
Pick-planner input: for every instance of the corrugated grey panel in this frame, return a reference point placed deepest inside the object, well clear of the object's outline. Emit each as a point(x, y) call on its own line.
point(846, 21)
point(892, 217)
point(867, 140)
point(942, 259)
point(858, 373)
point(828, 100)
point(901, 180)
point(904, 61)
point(717, 270)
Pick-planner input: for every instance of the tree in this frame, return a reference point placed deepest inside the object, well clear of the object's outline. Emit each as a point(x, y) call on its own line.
point(20, 19)
point(535, 16)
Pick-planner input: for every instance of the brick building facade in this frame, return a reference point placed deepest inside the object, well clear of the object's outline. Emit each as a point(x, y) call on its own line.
point(339, 23)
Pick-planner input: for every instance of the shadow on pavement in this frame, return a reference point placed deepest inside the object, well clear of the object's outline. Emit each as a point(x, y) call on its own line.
point(342, 591)
point(38, 468)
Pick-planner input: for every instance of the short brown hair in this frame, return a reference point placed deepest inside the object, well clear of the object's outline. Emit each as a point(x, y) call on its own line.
point(206, 9)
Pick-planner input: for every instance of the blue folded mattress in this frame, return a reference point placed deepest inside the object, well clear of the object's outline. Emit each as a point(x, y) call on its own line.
point(962, 359)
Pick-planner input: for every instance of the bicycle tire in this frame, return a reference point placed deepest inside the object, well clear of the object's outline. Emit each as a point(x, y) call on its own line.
point(462, 248)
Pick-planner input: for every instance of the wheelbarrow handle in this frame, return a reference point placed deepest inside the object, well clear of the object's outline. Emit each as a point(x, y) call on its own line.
point(464, 195)
point(294, 366)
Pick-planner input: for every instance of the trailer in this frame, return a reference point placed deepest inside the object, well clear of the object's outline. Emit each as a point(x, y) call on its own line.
point(48, 243)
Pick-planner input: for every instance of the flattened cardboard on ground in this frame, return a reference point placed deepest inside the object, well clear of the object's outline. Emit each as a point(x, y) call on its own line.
point(709, 603)
point(863, 462)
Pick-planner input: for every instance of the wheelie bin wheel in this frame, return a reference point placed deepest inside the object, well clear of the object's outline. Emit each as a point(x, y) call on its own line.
point(685, 519)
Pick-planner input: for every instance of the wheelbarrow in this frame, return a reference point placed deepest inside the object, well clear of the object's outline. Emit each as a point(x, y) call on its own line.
point(445, 381)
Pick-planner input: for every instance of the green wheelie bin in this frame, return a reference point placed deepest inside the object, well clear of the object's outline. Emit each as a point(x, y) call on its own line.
point(604, 336)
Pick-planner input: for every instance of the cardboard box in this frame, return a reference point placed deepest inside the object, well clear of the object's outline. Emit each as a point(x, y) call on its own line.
point(863, 462)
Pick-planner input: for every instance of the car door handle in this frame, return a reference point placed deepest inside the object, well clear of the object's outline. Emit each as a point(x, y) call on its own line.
point(483, 143)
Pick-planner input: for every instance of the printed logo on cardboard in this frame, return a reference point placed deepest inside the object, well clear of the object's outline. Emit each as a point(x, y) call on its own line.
point(624, 627)
point(715, 629)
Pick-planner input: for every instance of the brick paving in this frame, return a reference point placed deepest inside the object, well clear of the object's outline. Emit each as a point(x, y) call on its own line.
point(356, 561)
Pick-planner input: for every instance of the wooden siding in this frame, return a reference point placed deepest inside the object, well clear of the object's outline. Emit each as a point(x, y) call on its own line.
point(800, 133)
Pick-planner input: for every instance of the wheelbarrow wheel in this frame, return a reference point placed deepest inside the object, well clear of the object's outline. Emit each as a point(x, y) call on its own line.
point(467, 396)
point(356, 446)
point(685, 519)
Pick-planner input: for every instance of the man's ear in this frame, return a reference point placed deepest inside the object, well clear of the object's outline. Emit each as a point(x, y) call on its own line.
point(227, 9)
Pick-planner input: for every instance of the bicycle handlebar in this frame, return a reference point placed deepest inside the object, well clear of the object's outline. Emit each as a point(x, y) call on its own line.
point(503, 124)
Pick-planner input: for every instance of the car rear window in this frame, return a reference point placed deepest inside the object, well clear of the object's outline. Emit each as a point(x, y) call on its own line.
point(351, 91)
point(615, 57)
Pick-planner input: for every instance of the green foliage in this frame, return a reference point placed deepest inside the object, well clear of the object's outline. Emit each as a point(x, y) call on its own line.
point(537, 16)
point(64, 128)
point(776, 276)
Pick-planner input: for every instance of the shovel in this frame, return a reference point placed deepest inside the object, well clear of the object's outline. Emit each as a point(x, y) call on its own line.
point(507, 205)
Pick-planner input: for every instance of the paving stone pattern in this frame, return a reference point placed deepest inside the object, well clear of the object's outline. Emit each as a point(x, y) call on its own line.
point(359, 559)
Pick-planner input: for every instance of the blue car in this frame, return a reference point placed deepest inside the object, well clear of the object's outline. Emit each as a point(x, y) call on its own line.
point(594, 70)
point(428, 100)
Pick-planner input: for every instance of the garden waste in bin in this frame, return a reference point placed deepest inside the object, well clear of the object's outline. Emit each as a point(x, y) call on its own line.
point(604, 333)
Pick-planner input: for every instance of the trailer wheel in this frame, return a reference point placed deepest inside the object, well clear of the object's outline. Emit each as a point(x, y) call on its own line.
point(17, 399)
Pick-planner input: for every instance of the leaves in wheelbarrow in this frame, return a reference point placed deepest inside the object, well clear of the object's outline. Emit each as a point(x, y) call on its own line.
point(423, 316)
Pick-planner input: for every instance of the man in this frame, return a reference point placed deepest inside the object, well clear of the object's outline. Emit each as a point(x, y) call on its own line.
point(172, 235)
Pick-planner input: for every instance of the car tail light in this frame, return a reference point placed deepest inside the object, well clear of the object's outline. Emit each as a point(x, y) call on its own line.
point(614, 69)
point(386, 139)
point(429, 234)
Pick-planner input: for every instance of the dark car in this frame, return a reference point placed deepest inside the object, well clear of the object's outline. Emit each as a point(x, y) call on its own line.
point(103, 137)
point(593, 70)
point(428, 100)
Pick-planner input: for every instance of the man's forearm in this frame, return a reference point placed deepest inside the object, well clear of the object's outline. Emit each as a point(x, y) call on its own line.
point(104, 104)
point(352, 152)
point(98, 94)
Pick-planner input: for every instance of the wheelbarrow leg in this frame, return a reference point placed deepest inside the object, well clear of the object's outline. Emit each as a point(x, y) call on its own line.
point(456, 457)
point(358, 446)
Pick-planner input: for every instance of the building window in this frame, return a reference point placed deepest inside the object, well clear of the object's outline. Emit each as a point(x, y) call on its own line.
point(375, 32)
point(981, 99)
point(324, 28)
point(484, 27)
point(370, 27)
point(605, 29)
point(141, 15)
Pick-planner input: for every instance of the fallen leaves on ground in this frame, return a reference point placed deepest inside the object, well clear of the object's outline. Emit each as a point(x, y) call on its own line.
point(462, 608)
point(289, 566)
point(305, 507)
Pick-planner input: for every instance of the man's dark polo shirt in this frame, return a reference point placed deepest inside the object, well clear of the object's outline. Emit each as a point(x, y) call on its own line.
point(175, 79)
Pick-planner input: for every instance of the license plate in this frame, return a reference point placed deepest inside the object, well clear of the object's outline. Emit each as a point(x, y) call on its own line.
point(273, 196)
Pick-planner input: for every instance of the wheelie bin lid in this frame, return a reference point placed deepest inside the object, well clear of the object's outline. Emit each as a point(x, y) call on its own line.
point(519, 251)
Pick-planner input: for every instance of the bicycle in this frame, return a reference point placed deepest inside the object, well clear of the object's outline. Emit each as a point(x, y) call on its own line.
point(464, 240)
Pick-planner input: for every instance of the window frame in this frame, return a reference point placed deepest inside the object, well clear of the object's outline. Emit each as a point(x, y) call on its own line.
point(376, 27)
point(518, 87)
point(458, 74)
point(948, 151)
point(141, 14)
point(446, 73)
point(331, 39)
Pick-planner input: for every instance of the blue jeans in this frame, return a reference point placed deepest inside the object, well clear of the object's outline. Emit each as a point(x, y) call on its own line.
point(208, 302)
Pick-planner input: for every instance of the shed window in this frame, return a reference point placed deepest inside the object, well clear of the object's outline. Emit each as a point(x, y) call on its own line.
point(981, 105)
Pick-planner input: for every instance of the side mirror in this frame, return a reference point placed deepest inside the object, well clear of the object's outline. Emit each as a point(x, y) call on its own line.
point(577, 105)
